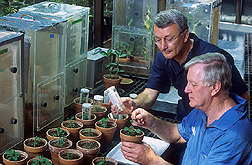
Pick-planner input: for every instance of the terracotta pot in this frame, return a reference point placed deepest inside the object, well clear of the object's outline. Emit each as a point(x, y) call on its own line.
point(86, 123)
point(106, 159)
point(63, 159)
point(108, 82)
point(30, 162)
point(126, 83)
point(95, 131)
point(78, 106)
point(99, 114)
point(49, 135)
point(121, 123)
point(23, 161)
point(74, 132)
point(54, 150)
point(35, 151)
point(90, 153)
point(107, 133)
point(134, 139)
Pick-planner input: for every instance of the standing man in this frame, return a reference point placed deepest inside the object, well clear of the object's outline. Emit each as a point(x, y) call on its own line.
point(217, 130)
point(177, 46)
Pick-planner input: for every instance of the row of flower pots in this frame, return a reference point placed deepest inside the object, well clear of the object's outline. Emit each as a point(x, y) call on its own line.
point(61, 140)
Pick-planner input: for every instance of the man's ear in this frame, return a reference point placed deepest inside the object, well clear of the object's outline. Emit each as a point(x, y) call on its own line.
point(186, 35)
point(215, 88)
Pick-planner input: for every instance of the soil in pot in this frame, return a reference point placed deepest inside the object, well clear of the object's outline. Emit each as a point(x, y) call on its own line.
point(56, 133)
point(17, 157)
point(131, 134)
point(120, 121)
point(86, 123)
point(73, 127)
point(35, 146)
point(57, 145)
point(70, 157)
point(39, 160)
point(90, 148)
point(107, 130)
point(90, 133)
point(105, 160)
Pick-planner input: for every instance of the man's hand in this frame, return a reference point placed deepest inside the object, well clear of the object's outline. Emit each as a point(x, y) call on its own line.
point(129, 105)
point(142, 118)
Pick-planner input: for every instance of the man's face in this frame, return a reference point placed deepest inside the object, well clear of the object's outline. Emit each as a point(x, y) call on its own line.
point(199, 94)
point(170, 33)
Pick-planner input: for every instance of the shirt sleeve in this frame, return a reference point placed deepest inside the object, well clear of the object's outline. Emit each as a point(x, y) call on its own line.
point(158, 79)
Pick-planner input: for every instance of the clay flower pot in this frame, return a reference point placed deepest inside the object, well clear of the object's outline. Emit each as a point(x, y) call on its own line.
point(131, 137)
point(121, 123)
point(56, 145)
point(107, 132)
point(99, 111)
point(111, 80)
point(78, 106)
point(39, 160)
point(35, 146)
point(90, 148)
point(90, 133)
point(10, 154)
point(56, 133)
point(70, 157)
point(73, 127)
point(86, 123)
point(105, 160)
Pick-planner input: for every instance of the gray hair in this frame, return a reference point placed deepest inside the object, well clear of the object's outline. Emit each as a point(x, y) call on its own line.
point(168, 17)
point(217, 70)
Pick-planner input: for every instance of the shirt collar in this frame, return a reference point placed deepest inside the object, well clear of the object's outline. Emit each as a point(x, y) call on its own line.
point(231, 116)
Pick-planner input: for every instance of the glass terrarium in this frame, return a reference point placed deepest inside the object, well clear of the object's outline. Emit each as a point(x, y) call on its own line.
point(11, 99)
point(136, 43)
point(132, 13)
point(77, 25)
point(202, 15)
point(77, 18)
point(44, 46)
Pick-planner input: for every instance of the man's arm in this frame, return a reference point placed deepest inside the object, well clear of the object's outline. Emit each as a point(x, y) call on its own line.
point(146, 99)
point(165, 130)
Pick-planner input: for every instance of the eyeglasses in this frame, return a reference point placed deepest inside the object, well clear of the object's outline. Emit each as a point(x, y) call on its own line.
point(168, 41)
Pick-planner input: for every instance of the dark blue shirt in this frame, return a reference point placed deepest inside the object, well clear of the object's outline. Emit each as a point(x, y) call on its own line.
point(225, 141)
point(167, 72)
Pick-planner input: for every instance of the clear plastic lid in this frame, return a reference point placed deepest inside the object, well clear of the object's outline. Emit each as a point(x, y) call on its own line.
point(98, 97)
point(86, 105)
point(84, 90)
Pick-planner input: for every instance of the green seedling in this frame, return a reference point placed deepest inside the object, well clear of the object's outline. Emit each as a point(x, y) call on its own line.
point(12, 155)
point(104, 122)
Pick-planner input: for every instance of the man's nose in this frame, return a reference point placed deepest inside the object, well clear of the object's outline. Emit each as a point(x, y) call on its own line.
point(163, 44)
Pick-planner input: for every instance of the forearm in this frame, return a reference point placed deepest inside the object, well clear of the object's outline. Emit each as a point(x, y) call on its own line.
point(166, 131)
point(146, 99)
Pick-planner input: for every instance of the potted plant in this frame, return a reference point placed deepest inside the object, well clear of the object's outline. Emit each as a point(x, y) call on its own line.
point(35, 146)
point(103, 161)
point(90, 148)
point(112, 79)
point(56, 145)
point(99, 111)
point(73, 127)
point(90, 133)
point(12, 156)
point(39, 160)
point(107, 128)
point(121, 120)
point(86, 119)
point(83, 98)
point(131, 134)
point(55, 133)
point(70, 157)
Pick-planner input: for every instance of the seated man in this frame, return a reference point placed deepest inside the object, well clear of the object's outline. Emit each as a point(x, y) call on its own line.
point(217, 130)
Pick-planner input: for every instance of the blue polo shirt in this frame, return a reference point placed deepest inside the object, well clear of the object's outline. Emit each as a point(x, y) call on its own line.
point(227, 140)
point(167, 72)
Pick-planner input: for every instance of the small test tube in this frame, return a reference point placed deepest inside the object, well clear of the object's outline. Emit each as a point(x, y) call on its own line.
point(115, 98)
point(82, 92)
point(86, 108)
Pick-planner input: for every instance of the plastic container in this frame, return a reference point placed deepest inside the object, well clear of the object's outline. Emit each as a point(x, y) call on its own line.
point(115, 98)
